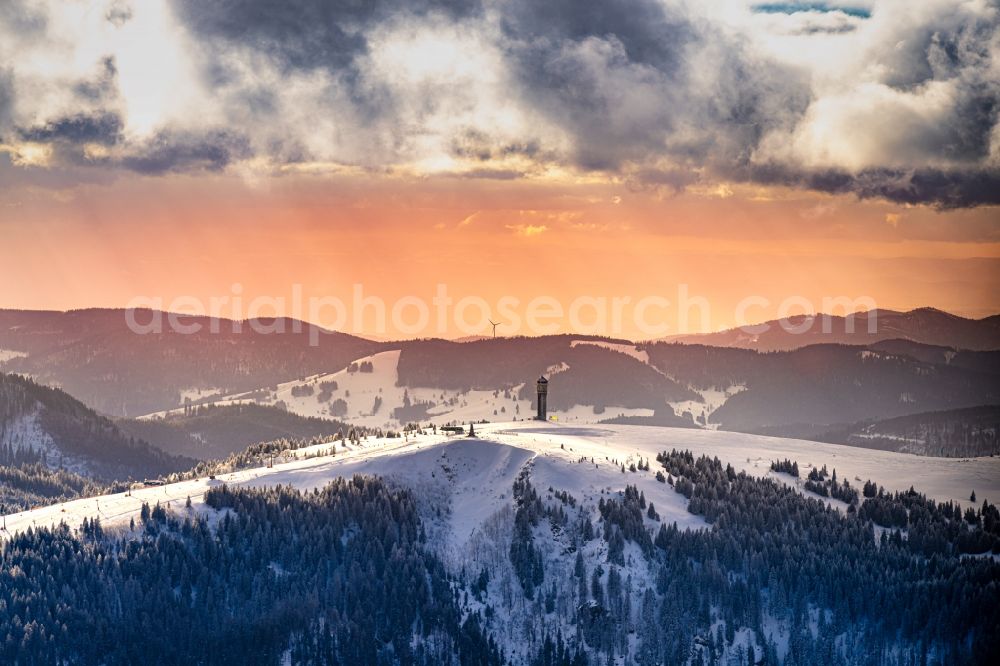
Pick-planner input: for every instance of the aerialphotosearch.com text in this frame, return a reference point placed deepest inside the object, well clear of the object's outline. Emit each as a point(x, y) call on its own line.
point(443, 315)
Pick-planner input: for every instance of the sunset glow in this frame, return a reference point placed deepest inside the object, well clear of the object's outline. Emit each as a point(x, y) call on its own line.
point(168, 150)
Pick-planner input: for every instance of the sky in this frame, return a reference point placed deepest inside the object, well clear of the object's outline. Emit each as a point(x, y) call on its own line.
point(721, 162)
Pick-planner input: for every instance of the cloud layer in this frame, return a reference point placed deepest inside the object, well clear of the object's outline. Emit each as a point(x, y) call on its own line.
point(884, 99)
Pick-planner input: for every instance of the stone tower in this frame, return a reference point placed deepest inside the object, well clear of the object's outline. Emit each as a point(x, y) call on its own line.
point(543, 395)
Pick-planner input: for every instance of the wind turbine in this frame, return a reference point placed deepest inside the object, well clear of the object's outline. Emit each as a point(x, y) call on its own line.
point(495, 324)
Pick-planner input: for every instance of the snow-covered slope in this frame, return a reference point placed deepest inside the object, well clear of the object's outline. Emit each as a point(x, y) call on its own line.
point(46, 425)
point(620, 347)
point(474, 476)
point(464, 490)
point(711, 400)
point(362, 390)
point(700, 410)
point(25, 432)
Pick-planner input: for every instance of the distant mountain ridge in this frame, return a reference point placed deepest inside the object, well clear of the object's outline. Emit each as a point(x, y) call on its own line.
point(94, 356)
point(827, 384)
point(813, 389)
point(804, 392)
point(923, 325)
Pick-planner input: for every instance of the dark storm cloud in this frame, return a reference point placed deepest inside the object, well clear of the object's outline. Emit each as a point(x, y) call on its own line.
point(943, 189)
point(638, 81)
point(6, 100)
point(102, 128)
point(798, 7)
point(646, 90)
point(297, 34)
point(632, 81)
point(604, 71)
point(478, 145)
point(69, 139)
point(300, 36)
point(177, 151)
point(937, 52)
point(306, 34)
point(967, 137)
point(954, 53)
point(650, 32)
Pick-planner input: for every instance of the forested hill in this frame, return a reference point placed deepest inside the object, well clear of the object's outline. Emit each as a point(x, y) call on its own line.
point(94, 355)
point(216, 431)
point(485, 364)
point(822, 385)
point(341, 576)
point(974, 431)
point(355, 573)
point(807, 391)
point(64, 433)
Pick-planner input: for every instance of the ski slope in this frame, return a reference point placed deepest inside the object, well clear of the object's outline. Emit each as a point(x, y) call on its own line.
point(468, 480)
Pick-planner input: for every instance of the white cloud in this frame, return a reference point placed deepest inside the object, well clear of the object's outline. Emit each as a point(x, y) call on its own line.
point(641, 89)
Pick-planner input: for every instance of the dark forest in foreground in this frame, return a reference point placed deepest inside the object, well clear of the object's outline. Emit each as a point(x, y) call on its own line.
point(344, 575)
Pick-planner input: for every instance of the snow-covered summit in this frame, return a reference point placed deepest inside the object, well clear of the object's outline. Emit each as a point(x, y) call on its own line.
point(472, 478)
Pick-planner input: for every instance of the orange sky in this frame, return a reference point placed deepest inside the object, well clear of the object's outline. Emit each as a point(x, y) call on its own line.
point(398, 237)
point(639, 151)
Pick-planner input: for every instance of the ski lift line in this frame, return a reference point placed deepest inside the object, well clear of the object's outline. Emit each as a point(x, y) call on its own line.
point(131, 511)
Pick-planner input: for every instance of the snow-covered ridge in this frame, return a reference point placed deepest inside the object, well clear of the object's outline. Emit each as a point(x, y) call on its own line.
point(473, 477)
point(621, 348)
point(711, 400)
point(368, 397)
point(701, 411)
point(367, 392)
point(463, 488)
